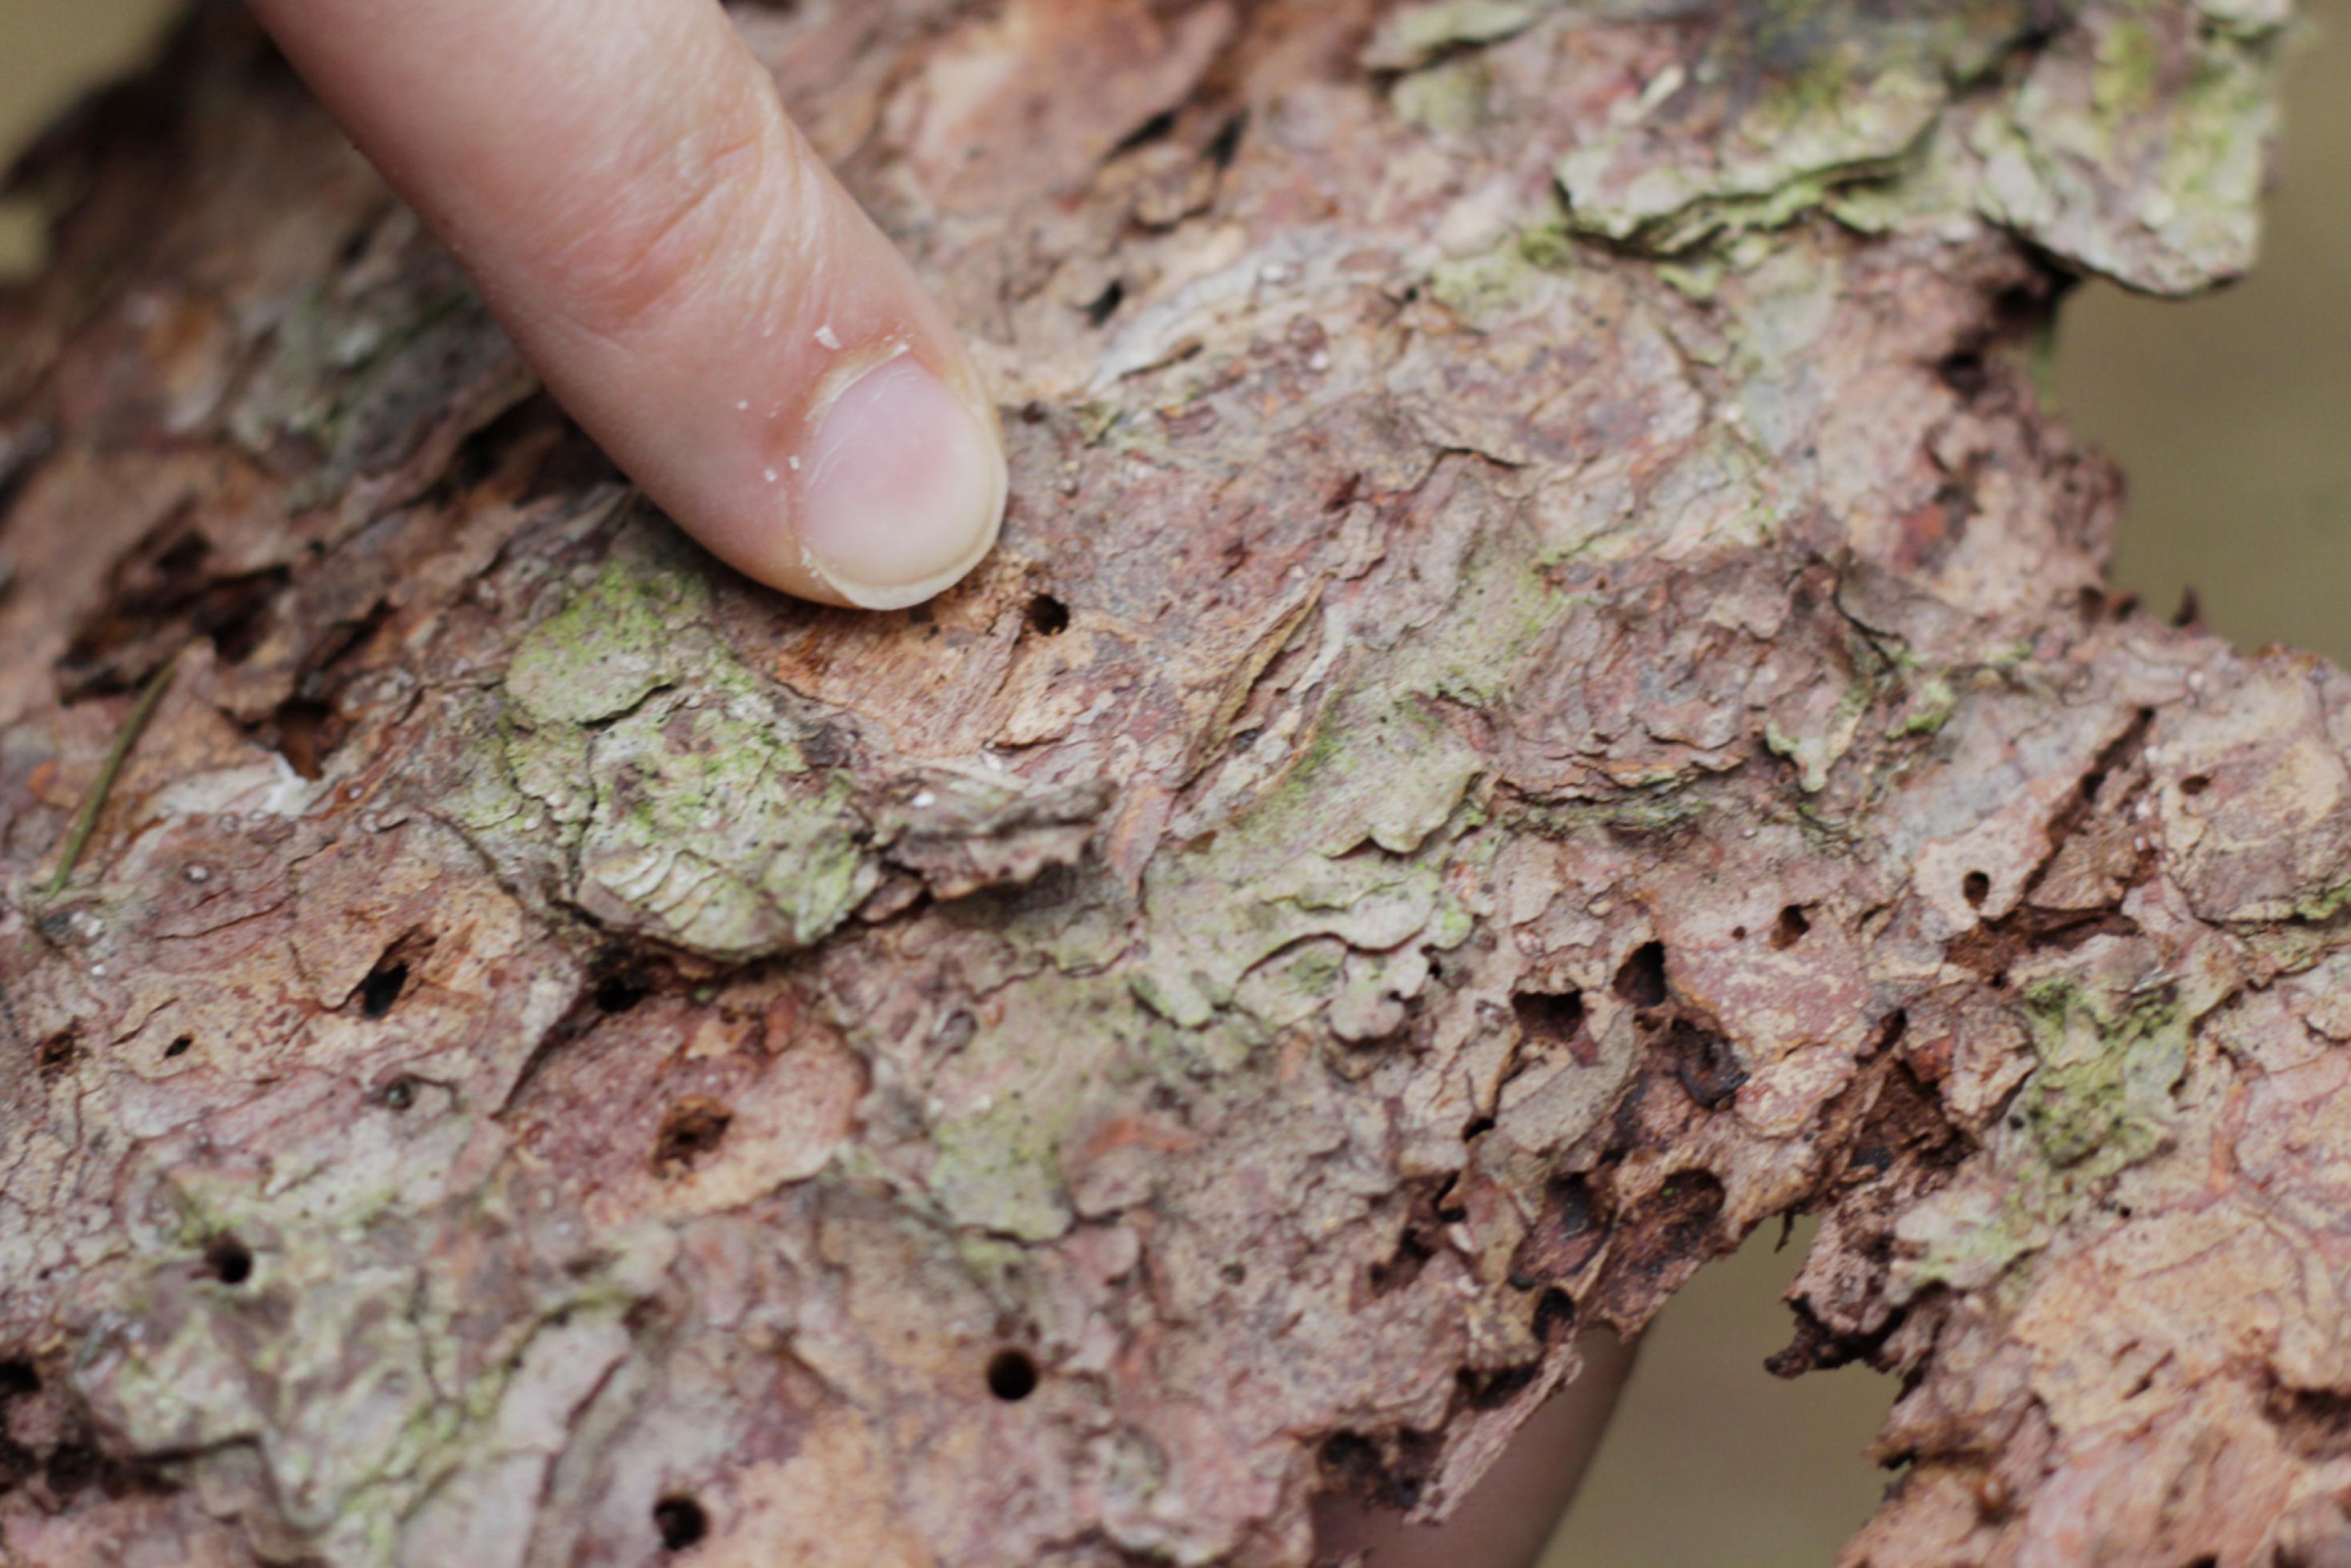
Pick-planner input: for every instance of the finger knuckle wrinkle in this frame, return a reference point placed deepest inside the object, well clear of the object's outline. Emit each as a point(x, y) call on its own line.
point(633, 262)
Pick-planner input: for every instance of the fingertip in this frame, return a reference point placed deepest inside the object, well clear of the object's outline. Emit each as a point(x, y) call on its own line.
point(901, 487)
point(661, 242)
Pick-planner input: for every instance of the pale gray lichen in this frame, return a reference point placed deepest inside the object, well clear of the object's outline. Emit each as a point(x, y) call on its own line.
point(671, 777)
point(1413, 35)
point(711, 831)
point(2133, 145)
point(2186, 114)
point(357, 1412)
point(1785, 110)
point(1355, 839)
point(2099, 1101)
point(667, 791)
point(608, 649)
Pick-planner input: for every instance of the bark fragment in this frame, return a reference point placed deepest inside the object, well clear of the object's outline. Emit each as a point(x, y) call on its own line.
point(1546, 699)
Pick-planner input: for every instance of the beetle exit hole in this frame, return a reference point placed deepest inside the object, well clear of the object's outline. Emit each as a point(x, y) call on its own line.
point(1642, 978)
point(381, 989)
point(1048, 616)
point(1011, 1376)
point(680, 1522)
point(229, 1260)
point(692, 1129)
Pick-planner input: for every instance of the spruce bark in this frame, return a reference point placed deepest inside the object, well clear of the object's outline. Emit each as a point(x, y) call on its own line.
point(1549, 697)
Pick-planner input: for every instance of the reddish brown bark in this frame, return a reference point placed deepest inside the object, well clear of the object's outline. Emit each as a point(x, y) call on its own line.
point(1547, 698)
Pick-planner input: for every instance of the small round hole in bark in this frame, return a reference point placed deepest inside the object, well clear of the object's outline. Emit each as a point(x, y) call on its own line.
point(308, 731)
point(1048, 616)
point(680, 1522)
point(18, 1378)
point(1350, 1458)
point(692, 1129)
point(1012, 1376)
point(1793, 924)
point(2196, 784)
point(229, 1260)
point(1642, 978)
point(1975, 887)
point(619, 993)
point(381, 989)
point(1549, 1017)
point(1227, 146)
point(70, 1468)
point(179, 1047)
point(1105, 304)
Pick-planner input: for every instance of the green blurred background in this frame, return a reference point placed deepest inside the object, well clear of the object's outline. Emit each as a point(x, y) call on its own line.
point(2232, 416)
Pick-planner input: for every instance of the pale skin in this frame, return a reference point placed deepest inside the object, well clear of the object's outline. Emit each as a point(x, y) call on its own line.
point(685, 274)
point(692, 282)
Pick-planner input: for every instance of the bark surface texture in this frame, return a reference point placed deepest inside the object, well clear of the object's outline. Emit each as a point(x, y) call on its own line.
point(1547, 698)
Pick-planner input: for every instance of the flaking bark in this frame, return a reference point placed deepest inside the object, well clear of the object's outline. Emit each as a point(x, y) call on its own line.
point(1547, 698)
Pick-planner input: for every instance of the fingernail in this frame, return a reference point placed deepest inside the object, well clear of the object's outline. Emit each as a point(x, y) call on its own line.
point(904, 490)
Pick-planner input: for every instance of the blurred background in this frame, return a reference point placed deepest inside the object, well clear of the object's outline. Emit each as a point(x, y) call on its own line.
point(2231, 415)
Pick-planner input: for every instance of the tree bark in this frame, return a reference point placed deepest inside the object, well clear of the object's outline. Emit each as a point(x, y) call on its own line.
point(1548, 698)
